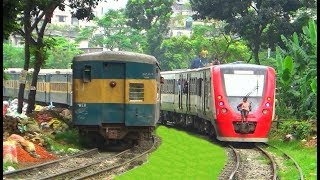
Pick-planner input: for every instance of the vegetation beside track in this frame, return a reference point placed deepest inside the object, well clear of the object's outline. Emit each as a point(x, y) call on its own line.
point(306, 157)
point(302, 148)
point(180, 156)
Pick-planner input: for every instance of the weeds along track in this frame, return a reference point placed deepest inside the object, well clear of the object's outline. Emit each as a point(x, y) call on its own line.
point(88, 164)
point(48, 167)
point(248, 162)
point(286, 156)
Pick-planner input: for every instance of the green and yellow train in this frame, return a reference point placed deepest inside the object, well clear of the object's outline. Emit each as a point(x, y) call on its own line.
point(114, 95)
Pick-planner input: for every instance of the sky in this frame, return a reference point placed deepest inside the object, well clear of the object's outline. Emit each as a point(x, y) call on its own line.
point(116, 4)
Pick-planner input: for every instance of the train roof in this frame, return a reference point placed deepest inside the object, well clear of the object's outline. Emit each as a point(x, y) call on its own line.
point(42, 71)
point(117, 56)
point(241, 65)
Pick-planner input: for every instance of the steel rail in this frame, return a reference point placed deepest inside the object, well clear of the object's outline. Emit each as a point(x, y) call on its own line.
point(273, 163)
point(16, 172)
point(295, 163)
point(116, 166)
point(82, 167)
point(237, 163)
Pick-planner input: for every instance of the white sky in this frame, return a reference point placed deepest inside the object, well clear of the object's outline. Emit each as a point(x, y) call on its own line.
point(114, 4)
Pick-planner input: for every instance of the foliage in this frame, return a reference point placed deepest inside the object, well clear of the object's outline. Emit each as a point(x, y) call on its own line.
point(299, 129)
point(305, 157)
point(70, 136)
point(61, 53)
point(63, 141)
point(34, 15)
point(115, 34)
point(13, 57)
point(153, 17)
point(10, 10)
point(7, 164)
point(178, 52)
point(257, 22)
point(297, 74)
point(85, 34)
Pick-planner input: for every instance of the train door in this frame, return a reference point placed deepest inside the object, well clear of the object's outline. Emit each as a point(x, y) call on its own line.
point(204, 92)
point(180, 84)
point(188, 92)
point(113, 89)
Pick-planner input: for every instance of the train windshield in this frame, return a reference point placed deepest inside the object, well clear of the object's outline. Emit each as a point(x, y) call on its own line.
point(250, 85)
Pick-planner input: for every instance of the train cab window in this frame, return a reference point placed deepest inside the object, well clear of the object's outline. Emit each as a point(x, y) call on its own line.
point(87, 74)
point(136, 92)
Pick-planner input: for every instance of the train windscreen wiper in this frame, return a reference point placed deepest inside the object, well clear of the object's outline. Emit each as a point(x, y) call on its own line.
point(255, 88)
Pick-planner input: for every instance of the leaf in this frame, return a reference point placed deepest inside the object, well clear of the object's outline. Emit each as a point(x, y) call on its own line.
point(314, 85)
point(295, 39)
point(288, 64)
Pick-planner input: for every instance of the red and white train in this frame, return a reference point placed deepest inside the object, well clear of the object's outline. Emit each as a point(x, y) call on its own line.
point(207, 98)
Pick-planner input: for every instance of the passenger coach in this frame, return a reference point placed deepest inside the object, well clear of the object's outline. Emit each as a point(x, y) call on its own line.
point(207, 99)
point(116, 95)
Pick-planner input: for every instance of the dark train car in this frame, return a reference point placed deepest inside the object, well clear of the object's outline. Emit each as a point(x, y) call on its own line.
point(207, 99)
point(116, 95)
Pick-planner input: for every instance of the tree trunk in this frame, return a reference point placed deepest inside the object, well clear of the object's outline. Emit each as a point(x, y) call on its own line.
point(33, 87)
point(27, 26)
point(256, 55)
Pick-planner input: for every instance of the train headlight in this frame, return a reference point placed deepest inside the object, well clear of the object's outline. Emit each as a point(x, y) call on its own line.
point(219, 97)
point(268, 98)
point(221, 103)
point(268, 104)
point(264, 111)
point(224, 110)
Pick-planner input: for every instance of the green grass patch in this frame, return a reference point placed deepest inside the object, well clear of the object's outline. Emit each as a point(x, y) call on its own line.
point(180, 156)
point(63, 141)
point(305, 157)
point(7, 164)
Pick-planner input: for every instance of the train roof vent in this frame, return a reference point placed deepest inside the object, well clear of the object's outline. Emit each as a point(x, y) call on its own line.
point(12, 71)
point(237, 62)
point(58, 72)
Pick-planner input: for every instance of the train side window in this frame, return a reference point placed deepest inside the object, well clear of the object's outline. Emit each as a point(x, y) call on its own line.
point(199, 85)
point(87, 74)
point(136, 91)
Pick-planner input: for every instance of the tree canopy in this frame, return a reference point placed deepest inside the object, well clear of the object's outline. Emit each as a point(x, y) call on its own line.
point(152, 16)
point(255, 20)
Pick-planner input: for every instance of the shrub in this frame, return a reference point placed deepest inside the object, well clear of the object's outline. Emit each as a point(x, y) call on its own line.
point(299, 129)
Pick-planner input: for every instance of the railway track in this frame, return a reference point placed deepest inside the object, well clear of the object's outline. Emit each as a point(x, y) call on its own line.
point(240, 158)
point(246, 163)
point(89, 164)
point(299, 170)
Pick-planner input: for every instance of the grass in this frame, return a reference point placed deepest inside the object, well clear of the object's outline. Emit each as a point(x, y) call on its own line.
point(7, 164)
point(180, 156)
point(305, 157)
point(64, 140)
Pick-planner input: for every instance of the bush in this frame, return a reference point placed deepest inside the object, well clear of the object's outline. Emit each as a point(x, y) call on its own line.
point(299, 129)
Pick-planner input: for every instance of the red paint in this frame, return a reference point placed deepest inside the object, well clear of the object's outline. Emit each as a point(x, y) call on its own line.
point(224, 121)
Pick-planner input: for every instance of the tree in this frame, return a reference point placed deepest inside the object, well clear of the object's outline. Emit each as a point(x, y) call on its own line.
point(177, 53)
point(153, 16)
point(10, 10)
point(61, 53)
point(35, 15)
point(13, 57)
point(256, 21)
point(296, 71)
point(114, 33)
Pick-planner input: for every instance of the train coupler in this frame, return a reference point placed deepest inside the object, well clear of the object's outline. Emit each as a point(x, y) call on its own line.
point(244, 127)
